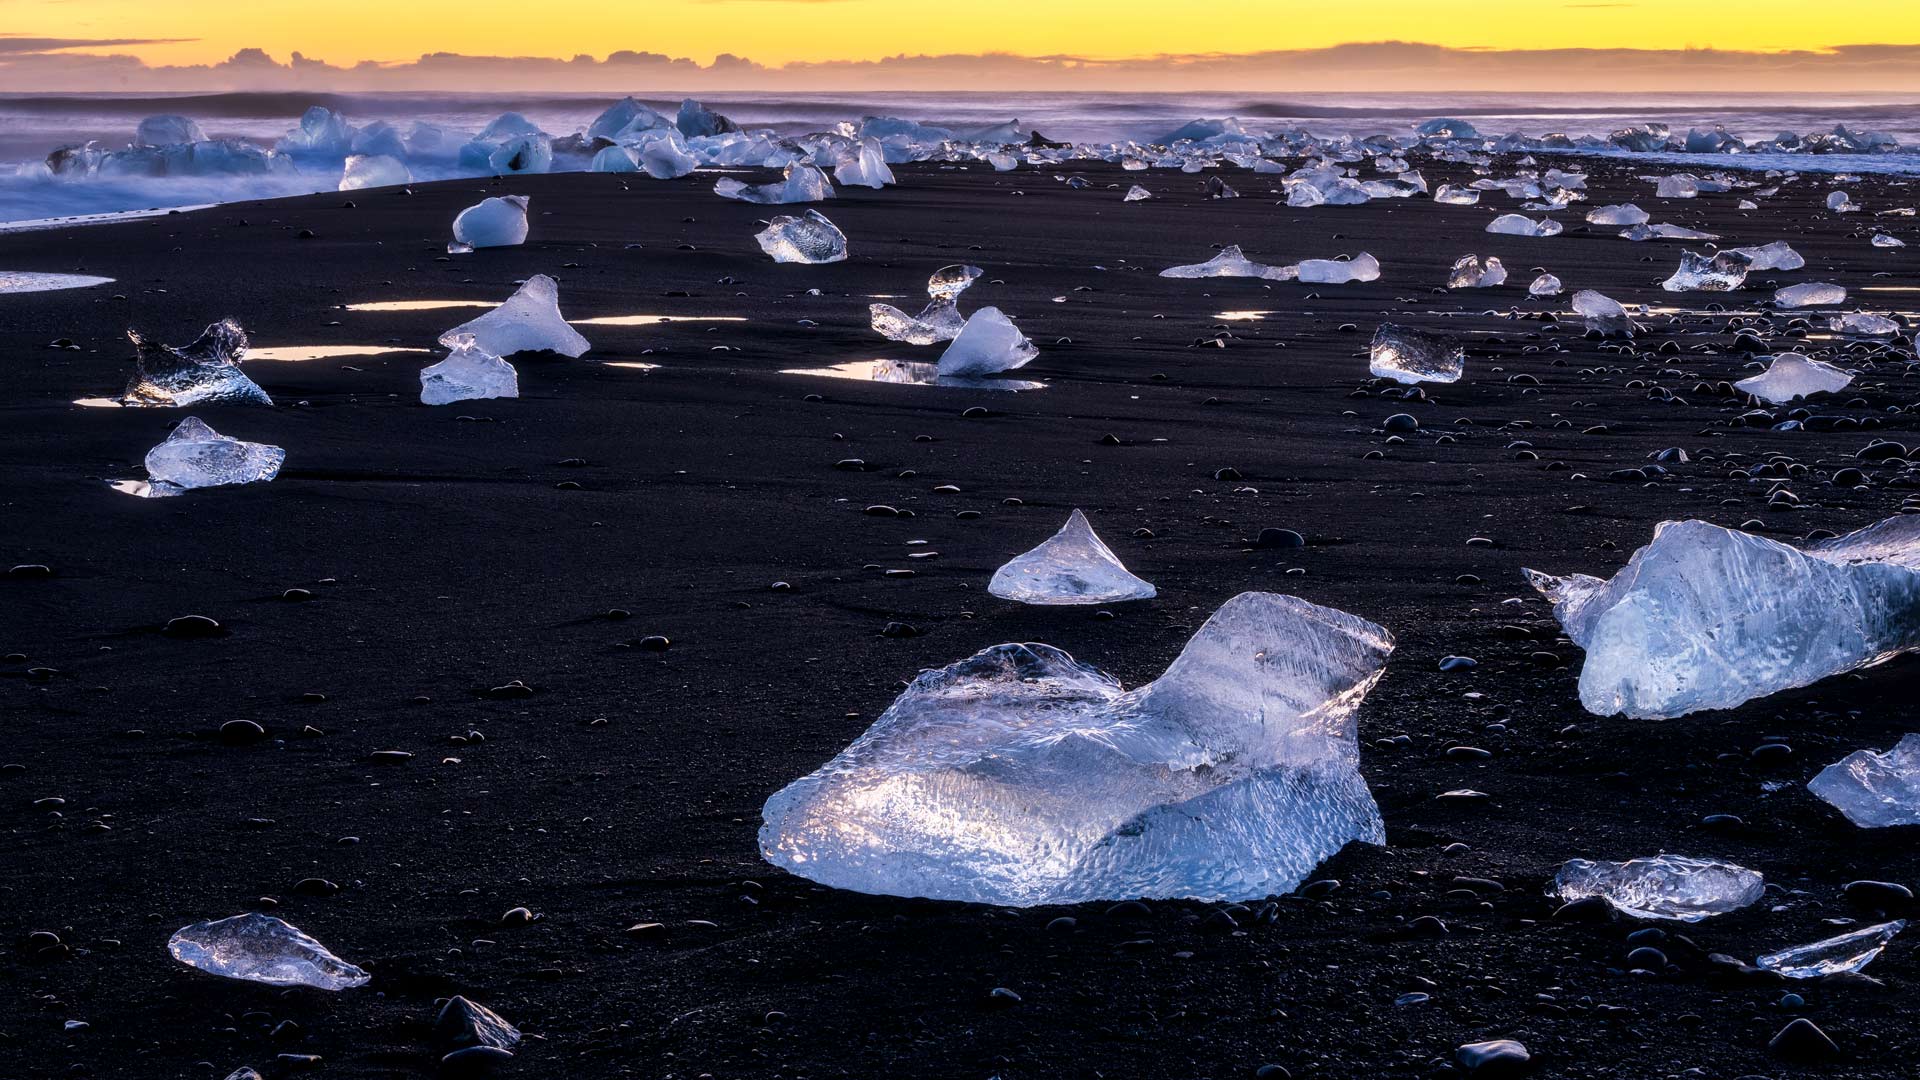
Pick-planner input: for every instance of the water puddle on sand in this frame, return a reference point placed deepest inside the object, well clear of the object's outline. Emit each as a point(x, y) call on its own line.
point(420, 305)
point(654, 320)
point(1241, 316)
point(24, 282)
point(295, 353)
point(911, 373)
point(630, 365)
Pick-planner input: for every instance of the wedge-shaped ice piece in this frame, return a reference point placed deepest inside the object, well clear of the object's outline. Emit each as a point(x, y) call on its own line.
point(1617, 214)
point(1862, 324)
point(1137, 193)
point(1810, 294)
point(1470, 273)
point(1545, 285)
point(803, 183)
point(205, 372)
point(1413, 356)
point(1362, 267)
point(497, 222)
point(1874, 790)
point(468, 373)
point(989, 343)
point(529, 321)
point(809, 238)
point(1778, 255)
point(263, 949)
point(196, 456)
point(1707, 618)
point(864, 166)
point(1722, 272)
point(1020, 776)
point(1791, 376)
point(940, 320)
point(372, 171)
point(1522, 225)
point(1843, 954)
point(1073, 566)
point(1231, 262)
point(1662, 887)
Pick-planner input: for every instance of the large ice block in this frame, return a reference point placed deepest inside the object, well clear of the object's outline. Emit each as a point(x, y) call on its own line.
point(529, 321)
point(865, 165)
point(196, 456)
point(1707, 618)
point(1073, 566)
point(260, 948)
point(1410, 356)
point(1874, 790)
point(205, 372)
point(989, 343)
point(500, 221)
point(1662, 887)
point(809, 238)
point(1020, 776)
point(468, 373)
point(1791, 376)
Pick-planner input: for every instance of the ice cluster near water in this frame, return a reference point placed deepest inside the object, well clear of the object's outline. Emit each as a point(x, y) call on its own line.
point(196, 456)
point(809, 238)
point(1662, 887)
point(529, 321)
point(940, 320)
point(1722, 272)
point(1874, 790)
point(1411, 356)
point(1707, 618)
point(468, 373)
point(1073, 566)
point(500, 221)
point(1790, 376)
point(205, 372)
point(1470, 273)
point(1842, 954)
point(1020, 776)
point(260, 948)
point(989, 343)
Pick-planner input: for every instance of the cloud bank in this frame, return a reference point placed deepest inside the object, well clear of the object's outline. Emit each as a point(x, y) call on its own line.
point(45, 65)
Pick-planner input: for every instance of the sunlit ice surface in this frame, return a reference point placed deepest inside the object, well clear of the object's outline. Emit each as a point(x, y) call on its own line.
point(909, 372)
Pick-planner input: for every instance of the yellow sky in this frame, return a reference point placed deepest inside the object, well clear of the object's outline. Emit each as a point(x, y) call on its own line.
point(777, 31)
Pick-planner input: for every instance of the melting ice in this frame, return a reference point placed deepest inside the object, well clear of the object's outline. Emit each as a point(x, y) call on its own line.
point(1073, 566)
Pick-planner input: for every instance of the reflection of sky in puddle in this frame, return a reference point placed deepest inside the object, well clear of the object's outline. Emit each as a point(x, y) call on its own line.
point(292, 353)
point(630, 365)
point(143, 490)
point(11, 282)
point(1241, 316)
point(653, 320)
point(418, 305)
point(911, 372)
point(98, 403)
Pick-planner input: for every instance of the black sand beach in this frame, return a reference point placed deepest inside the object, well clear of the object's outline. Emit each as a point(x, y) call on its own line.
point(453, 550)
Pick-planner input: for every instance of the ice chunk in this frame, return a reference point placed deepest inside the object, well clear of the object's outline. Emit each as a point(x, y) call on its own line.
point(1618, 214)
point(864, 166)
point(1663, 231)
point(1842, 203)
point(810, 238)
point(1775, 256)
point(1231, 262)
point(1791, 376)
point(196, 456)
point(1723, 272)
point(260, 948)
point(1810, 294)
point(1862, 324)
point(1846, 953)
point(1680, 186)
point(1456, 196)
point(529, 321)
point(468, 373)
point(1874, 790)
point(803, 183)
point(372, 171)
point(663, 156)
point(1412, 356)
point(614, 159)
point(696, 120)
point(207, 371)
point(1522, 225)
point(1545, 285)
point(321, 132)
point(1137, 193)
point(1662, 887)
point(987, 344)
point(1707, 618)
point(1602, 313)
point(168, 131)
point(1470, 273)
point(500, 221)
point(624, 119)
point(1218, 189)
point(463, 1023)
point(940, 320)
point(1073, 566)
point(15, 282)
point(1883, 240)
point(1020, 776)
point(1362, 267)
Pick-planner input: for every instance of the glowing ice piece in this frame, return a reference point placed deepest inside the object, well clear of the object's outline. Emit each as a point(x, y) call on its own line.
point(1601, 312)
point(864, 166)
point(468, 373)
point(1073, 566)
point(1470, 273)
point(1810, 294)
point(1843, 954)
point(1778, 255)
point(1617, 214)
point(196, 456)
point(205, 372)
point(372, 171)
point(1545, 285)
point(1136, 193)
point(940, 320)
point(1362, 267)
point(1662, 887)
point(1412, 356)
point(529, 321)
point(1722, 272)
point(1707, 618)
point(1522, 225)
point(810, 238)
point(1020, 776)
point(1874, 790)
point(263, 949)
point(500, 221)
point(1863, 324)
point(1791, 376)
point(989, 343)
point(1231, 262)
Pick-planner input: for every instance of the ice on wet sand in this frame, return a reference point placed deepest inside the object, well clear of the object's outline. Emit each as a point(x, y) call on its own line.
point(1662, 887)
point(1231, 262)
point(205, 372)
point(263, 949)
point(1778, 255)
point(1841, 954)
point(1602, 312)
point(529, 321)
point(1522, 225)
point(1412, 356)
point(1792, 376)
point(1874, 790)
point(1073, 566)
point(940, 320)
point(1020, 776)
point(1722, 272)
point(500, 221)
point(1470, 273)
point(1810, 294)
point(1362, 267)
point(196, 456)
point(809, 238)
point(989, 343)
point(468, 373)
point(1545, 285)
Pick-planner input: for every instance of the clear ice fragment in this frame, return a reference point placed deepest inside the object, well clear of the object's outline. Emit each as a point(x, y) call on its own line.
point(1231, 262)
point(1791, 376)
point(1664, 231)
point(989, 343)
point(1412, 356)
point(1845, 953)
point(1842, 203)
point(529, 321)
point(372, 171)
point(1618, 214)
point(1362, 267)
point(1662, 887)
point(1545, 285)
point(1874, 790)
point(1862, 324)
point(1470, 273)
point(803, 183)
point(1137, 193)
point(1810, 294)
point(1456, 196)
point(809, 238)
point(205, 372)
point(1522, 225)
point(1884, 240)
point(940, 320)
point(1602, 313)
point(1020, 776)
point(1778, 255)
point(497, 222)
point(196, 456)
point(865, 165)
point(468, 373)
point(1722, 272)
point(260, 948)
point(1073, 566)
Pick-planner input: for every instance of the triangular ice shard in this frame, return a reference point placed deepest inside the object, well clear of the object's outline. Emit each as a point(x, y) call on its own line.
point(529, 321)
point(989, 343)
point(468, 373)
point(205, 372)
point(1072, 566)
point(1020, 776)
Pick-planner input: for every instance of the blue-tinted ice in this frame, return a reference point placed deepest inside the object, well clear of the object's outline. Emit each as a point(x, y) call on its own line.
point(260, 948)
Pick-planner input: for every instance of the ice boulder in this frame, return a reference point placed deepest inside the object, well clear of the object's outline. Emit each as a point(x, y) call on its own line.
point(1412, 356)
point(529, 321)
point(468, 373)
point(1707, 618)
point(1662, 887)
point(940, 320)
point(810, 238)
point(624, 119)
point(196, 456)
point(500, 221)
point(205, 372)
point(1020, 776)
point(260, 948)
point(372, 171)
point(1810, 294)
point(865, 165)
point(1470, 273)
point(989, 343)
point(1722, 272)
point(803, 183)
point(1791, 376)
point(322, 132)
point(168, 131)
point(1073, 566)
point(1522, 225)
point(1874, 790)
point(664, 155)
point(614, 159)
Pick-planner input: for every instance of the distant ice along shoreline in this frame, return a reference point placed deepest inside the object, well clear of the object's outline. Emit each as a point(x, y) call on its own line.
point(144, 162)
